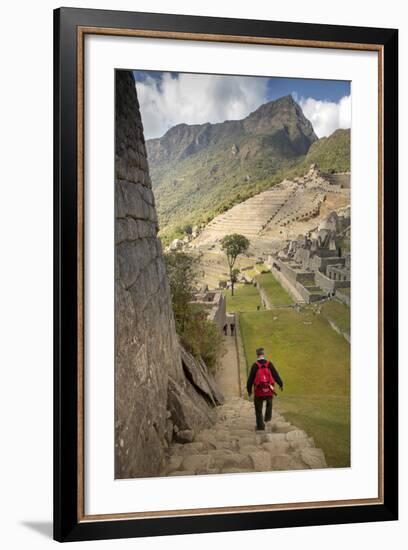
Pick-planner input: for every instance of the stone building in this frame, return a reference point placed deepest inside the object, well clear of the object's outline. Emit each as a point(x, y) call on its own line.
point(314, 265)
point(216, 305)
point(159, 388)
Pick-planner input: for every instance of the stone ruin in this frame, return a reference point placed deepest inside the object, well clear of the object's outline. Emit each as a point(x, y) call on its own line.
point(324, 181)
point(162, 393)
point(271, 213)
point(314, 266)
point(180, 244)
point(215, 303)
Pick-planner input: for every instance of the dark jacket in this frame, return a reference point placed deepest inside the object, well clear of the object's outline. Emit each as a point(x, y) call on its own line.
point(252, 375)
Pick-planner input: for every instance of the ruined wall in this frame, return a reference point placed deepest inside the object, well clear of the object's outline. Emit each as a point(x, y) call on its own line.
point(294, 275)
point(323, 263)
point(341, 179)
point(154, 398)
point(219, 310)
point(329, 284)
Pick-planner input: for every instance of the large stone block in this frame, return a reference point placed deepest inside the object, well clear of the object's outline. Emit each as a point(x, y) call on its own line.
point(313, 457)
point(153, 396)
point(198, 374)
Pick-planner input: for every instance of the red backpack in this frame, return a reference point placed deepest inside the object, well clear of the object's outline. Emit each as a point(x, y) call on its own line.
point(263, 380)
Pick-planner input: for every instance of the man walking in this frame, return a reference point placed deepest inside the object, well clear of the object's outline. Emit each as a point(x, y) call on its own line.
point(262, 377)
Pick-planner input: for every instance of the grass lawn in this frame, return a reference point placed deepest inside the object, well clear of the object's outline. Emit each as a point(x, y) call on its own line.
point(276, 293)
point(257, 269)
point(337, 312)
point(314, 363)
point(246, 298)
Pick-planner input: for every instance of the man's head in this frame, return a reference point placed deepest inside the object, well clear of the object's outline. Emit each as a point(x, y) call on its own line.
point(260, 352)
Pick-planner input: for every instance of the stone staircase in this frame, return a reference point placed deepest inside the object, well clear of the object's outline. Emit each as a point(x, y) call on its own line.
point(233, 446)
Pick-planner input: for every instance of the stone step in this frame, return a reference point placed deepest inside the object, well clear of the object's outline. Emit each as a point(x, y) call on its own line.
point(233, 445)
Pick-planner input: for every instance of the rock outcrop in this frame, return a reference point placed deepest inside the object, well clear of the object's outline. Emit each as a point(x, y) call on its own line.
point(159, 391)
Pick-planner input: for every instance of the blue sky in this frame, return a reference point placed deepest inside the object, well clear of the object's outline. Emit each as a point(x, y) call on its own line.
point(328, 90)
point(168, 99)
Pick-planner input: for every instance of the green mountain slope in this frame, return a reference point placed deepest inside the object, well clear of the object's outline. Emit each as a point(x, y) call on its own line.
point(199, 171)
point(331, 154)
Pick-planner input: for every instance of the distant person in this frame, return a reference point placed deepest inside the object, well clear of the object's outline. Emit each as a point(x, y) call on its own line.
point(225, 329)
point(263, 377)
point(232, 327)
point(258, 307)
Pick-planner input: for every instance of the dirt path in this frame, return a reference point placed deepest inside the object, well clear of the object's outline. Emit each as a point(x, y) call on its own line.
point(227, 376)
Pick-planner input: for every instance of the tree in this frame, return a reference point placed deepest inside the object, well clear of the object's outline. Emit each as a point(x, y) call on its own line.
point(181, 272)
point(199, 335)
point(233, 245)
point(234, 276)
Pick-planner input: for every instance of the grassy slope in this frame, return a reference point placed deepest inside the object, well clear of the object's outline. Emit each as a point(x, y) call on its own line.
point(314, 362)
point(331, 154)
point(337, 312)
point(246, 298)
point(273, 289)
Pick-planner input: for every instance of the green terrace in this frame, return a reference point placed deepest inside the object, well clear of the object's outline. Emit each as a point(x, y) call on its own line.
point(276, 294)
point(338, 313)
point(246, 298)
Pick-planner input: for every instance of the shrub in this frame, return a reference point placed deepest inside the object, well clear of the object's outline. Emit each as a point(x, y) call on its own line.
point(200, 336)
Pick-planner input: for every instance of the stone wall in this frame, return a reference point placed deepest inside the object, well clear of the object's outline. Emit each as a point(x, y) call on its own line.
point(322, 263)
point(290, 286)
point(343, 296)
point(156, 395)
point(219, 310)
point(216, 305)
point(341, 179)
point(294, 275)
point(329, 284)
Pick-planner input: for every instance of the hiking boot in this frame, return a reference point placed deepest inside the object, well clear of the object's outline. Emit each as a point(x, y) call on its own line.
point(260, 429)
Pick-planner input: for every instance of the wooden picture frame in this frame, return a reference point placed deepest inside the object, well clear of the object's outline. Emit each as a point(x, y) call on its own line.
point(70, 27)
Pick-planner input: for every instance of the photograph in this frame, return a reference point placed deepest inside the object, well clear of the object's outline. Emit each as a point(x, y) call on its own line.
point(225, 269)
point(232, 274)
point(202, 319)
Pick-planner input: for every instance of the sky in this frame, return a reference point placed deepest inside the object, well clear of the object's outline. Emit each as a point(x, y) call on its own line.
point(167, 99)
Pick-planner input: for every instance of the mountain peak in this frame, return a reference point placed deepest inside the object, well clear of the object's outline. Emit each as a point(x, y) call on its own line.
point(285, 101)
point(281, 119)
point(283, 114)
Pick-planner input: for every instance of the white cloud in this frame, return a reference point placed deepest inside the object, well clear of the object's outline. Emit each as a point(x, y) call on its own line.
point(196, 99)
point(327, 116)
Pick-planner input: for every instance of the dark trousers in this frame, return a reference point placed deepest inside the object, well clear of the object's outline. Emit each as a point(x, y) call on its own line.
point(258, 402)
